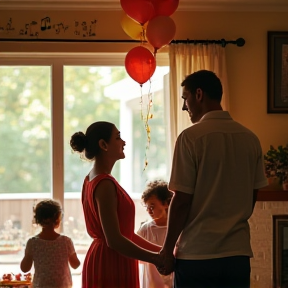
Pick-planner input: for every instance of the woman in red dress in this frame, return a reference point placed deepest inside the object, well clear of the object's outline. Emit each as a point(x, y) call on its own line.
point(109, 214)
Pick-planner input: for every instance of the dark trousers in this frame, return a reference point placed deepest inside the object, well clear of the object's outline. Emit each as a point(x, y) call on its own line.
point(228, 272)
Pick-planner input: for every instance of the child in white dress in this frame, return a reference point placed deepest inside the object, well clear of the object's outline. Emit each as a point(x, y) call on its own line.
point(49, 251)
point(156, 199)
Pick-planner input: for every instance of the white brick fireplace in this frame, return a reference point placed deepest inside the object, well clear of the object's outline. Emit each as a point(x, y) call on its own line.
point(261, 224)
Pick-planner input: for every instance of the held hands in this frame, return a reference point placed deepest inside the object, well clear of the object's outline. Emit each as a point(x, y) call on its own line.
point(165, 263)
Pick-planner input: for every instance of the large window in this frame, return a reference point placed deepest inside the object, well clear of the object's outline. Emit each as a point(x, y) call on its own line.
point(43, 101)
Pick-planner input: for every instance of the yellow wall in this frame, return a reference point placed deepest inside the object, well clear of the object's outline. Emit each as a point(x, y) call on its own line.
point(247, 66)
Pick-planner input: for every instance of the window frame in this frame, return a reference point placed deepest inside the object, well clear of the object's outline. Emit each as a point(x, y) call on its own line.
point(57, 61)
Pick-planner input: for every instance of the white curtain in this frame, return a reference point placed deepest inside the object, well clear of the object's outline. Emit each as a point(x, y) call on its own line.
point(184, 60)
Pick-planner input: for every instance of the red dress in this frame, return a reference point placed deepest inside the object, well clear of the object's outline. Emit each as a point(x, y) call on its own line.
point(104, 267)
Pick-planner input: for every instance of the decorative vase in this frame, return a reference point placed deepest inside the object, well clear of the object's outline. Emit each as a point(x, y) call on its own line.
point(285, 186)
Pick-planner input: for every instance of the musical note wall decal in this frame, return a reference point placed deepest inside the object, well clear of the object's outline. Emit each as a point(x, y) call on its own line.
point(45, 23)
point(48, 27)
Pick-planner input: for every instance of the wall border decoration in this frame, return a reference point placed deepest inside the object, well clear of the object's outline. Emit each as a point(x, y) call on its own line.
point(277, 89)
point(47, 28)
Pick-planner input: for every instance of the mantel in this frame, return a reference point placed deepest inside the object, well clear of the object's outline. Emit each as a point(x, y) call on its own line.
point(273, 192)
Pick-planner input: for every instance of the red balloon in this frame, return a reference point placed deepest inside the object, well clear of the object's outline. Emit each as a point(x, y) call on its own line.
point(165, 7)
point(140, 64)
point(139, 10)
point(160, 31)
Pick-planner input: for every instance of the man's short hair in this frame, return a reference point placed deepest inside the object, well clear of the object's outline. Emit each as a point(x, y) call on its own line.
point(207, 81)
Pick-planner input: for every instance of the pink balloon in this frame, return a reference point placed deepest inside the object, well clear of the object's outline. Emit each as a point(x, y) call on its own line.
point(160, 31)
point(140, 64)
point(139, 10)
point(165, 7)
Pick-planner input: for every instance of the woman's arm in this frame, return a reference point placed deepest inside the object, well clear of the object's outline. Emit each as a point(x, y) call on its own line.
point(142, 242)
point(106, 198)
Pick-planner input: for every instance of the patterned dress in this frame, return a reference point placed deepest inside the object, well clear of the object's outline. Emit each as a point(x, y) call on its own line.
point(104, 267)
point(50, 259)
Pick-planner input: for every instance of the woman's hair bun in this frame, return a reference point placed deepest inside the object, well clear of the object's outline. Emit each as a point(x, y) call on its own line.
point(78, 141)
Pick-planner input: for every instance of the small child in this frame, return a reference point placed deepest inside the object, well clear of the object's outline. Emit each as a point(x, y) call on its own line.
point(50, 251)
point(156, 198)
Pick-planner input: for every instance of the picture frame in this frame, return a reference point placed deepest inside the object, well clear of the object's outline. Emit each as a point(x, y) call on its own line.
point(280, 251)
point(277, 96)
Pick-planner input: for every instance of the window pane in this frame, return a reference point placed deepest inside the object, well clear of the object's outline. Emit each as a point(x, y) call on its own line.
point(25, 162)
point(109, 94)
point(85, 103)
point(25, 121)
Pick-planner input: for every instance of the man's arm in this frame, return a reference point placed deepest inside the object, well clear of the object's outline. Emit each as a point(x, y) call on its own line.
point(178, 212)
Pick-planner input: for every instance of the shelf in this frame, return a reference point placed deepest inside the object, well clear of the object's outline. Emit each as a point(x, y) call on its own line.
point(273, 192)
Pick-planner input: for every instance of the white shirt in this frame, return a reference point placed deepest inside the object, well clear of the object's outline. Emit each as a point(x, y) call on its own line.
point(151, 278)
point(220, 162)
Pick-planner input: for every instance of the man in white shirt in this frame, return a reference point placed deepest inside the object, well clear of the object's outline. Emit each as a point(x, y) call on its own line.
point(216, 172)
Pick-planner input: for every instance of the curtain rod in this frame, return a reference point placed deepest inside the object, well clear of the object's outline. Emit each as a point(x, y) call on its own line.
point(239, 42)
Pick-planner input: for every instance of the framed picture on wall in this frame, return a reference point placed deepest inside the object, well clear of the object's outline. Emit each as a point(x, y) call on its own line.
point(277, 100)
point(280, 251)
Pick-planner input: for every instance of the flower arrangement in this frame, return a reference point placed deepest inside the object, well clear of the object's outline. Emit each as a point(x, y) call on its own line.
point(276, 163)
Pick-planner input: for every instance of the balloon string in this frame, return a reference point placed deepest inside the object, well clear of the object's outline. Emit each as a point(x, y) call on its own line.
point(143, 35)
point(146, 123)
point(142, 118)
point(155, 52)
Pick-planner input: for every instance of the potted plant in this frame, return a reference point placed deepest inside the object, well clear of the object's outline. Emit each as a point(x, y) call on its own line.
point(276, 164)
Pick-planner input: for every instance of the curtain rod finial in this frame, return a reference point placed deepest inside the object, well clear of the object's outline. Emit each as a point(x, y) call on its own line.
point(240, 42)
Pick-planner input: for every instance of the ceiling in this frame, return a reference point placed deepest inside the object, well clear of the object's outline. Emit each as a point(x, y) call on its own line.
point(184, 5)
